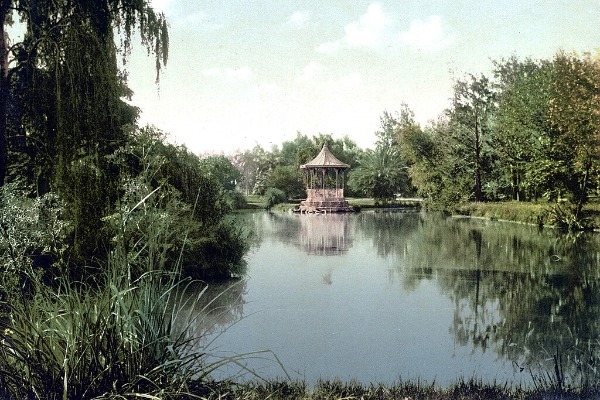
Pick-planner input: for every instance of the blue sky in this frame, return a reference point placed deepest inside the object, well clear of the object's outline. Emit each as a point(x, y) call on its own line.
point(242, 73)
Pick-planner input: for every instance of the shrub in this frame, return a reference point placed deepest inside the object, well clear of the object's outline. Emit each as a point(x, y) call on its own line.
point(235, 200)
point(33, 238)
point(274, 196)
point(124, 335)
point(216, 254)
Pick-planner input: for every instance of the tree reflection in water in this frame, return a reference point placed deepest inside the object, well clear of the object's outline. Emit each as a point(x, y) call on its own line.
point(523, 293)
point(204, 309)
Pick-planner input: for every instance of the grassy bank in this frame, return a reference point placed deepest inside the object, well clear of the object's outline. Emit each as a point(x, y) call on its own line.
point(279, 390)
point(542, 214)
point(259, 203)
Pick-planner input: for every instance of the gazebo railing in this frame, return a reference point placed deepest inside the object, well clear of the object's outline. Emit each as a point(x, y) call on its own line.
point(325, 193)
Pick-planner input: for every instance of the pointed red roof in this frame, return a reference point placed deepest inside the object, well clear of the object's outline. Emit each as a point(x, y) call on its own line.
point(325, 160)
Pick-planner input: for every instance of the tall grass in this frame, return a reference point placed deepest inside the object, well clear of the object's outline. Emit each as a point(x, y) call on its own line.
point(77, 342)
point(572, 372)
point(125, 334)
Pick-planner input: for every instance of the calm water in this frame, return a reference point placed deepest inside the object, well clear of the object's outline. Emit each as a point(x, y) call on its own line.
point(383, 296)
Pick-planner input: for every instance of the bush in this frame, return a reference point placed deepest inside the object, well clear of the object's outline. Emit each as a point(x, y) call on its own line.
point(75, 340)
point(216, 254)
point(33, 238)
point(126, 334)
point(274, 196)
point(235, 200)
point(182, 207)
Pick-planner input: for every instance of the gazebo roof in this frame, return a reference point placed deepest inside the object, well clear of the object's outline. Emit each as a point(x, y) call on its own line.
point(325, 160)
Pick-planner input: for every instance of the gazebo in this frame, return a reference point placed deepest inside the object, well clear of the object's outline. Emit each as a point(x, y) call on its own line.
point(324, 177)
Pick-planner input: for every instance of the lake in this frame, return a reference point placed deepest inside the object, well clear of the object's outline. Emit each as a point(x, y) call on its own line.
point(385, 296)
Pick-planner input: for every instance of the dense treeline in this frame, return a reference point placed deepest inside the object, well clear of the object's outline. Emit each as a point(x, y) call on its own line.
point(528, 132)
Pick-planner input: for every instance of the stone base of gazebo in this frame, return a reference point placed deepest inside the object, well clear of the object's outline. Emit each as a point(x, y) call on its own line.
point(324, 205)
point(324, 201)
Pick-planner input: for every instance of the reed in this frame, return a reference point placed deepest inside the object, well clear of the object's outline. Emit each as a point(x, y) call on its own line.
point(124, 334)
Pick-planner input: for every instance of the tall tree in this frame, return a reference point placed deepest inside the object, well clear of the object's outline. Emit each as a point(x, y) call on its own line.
point(471, 112)
point(221, 169)
point(63, 75)
point(522, 126)
point(64, 98)
point(574, 117)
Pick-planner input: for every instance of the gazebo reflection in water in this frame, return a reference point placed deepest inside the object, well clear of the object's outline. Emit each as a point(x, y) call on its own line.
point(324, 235)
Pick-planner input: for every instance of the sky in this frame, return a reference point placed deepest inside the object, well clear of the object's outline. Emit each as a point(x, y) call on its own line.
point(243, 73)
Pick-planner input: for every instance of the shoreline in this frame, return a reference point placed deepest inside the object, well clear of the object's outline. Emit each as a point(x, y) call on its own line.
point(337, 389)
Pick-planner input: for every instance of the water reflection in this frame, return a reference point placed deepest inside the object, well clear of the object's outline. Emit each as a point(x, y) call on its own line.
point(324, 235)
point(461, 297)
point(522, 293)
point(202, 309)
point(315, 234)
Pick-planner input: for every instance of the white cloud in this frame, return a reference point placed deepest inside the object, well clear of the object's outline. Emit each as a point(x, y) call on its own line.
point(426, 35)
point(310, 71)
point(299, 18)
point(367, 31)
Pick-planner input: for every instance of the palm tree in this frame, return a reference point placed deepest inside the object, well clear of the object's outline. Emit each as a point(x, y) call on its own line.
point(381, 174)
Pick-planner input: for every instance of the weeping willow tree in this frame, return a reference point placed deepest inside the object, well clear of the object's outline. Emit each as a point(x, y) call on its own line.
point(61, 107)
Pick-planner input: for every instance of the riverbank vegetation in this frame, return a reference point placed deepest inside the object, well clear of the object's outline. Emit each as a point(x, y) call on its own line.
point(534, 213)
point(328, 390)
point(101, 220)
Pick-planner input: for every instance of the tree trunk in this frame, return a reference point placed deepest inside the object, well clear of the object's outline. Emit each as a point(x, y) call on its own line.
point(4, 10)
point(478, 196)
point(582, 195)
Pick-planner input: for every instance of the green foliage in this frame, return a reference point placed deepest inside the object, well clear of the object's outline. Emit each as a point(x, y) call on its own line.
point(81, 342)
point(547, 126)
point(222, 170)
point(166, 191)
point(216, 254)
point(435, 169)
point(288, 179)
point(381, 174)
point(274, 196)
point(32, 239)
point(126, 334)
point(469, 137)
point(235, 200)
point(530, 134)
point(525, 212)
point(62, 102)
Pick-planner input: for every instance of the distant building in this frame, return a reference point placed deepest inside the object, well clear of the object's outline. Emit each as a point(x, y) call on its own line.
point(324, 177)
